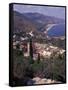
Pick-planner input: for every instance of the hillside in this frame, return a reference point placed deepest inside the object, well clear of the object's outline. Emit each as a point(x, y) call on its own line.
point(34, 25)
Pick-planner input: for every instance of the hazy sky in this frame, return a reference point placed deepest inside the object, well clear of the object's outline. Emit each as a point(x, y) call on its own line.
point(58, 12)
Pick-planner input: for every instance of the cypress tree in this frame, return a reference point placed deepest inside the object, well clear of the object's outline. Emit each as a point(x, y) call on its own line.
point(31, 51)
point(38, 57)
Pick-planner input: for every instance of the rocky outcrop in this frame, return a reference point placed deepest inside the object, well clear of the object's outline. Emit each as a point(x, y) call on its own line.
point(37, 80)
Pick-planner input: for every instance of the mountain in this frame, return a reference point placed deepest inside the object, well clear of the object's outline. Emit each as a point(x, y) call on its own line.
point(22, 23)
point(23, 26)
point(35, 25)
point(34, 22)
point(43, 19)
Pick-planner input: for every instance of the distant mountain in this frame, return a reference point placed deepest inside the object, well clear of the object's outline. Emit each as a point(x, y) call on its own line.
point(35, 23)
point(22, 23)
point(24, 26)
point(43, 19)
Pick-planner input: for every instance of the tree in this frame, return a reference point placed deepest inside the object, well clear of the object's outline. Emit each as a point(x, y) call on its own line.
point(31, 52)
point(38, 58)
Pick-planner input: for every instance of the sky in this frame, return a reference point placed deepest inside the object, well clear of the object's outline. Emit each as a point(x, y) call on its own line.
point(58, 12)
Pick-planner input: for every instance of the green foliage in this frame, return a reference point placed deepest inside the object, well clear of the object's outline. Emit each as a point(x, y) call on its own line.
point(38, 69)
point(53, 68)
point(58, 68)
point(22, 68)
point(37, 66)
point(31, 61)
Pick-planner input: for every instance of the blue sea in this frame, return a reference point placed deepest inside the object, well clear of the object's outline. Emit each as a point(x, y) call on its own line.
point(57, 30)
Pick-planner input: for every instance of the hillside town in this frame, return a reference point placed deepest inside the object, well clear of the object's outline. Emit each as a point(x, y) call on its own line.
point(45, 50)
